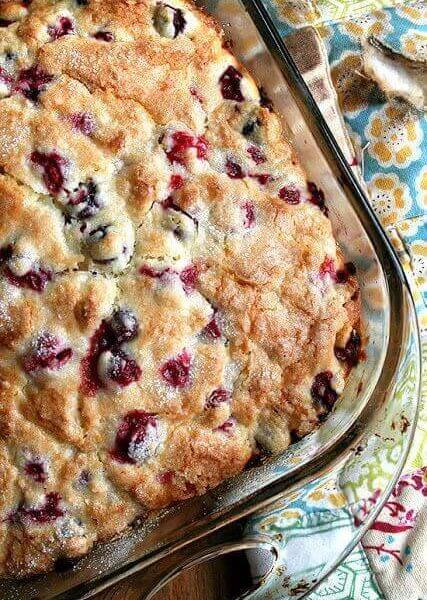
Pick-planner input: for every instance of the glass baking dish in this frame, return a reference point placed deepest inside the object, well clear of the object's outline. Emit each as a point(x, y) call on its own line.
point(371, 407)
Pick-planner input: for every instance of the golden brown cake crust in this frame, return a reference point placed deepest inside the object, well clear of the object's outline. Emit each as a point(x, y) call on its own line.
point(172, 299)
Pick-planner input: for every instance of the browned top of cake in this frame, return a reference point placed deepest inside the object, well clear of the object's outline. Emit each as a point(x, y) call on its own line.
point(171, 295)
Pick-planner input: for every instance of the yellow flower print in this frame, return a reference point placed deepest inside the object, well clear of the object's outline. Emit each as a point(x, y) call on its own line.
point(389, 198)
point(268, 522)
point(291, 514)
point(414, 44)
point(281, 519)
point(324, 31)
point(394, 136)
point(411, 227)
point(354, 90)
point(328, 495)
point(297, 12)
point(374, 23)
point(422, 189)
point(415, 12)
point(333, 499)
point(418, 250)
point(317, 495)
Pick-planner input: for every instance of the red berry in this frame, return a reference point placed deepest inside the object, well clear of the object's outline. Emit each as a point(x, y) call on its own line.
point(194, 92)
point(36, 470)
point(290, 195)
point(121, 328)
point(48, 352)
point(137, 437)
point(257, 155)
point(217, 397)
point(64, 26)
point(234, 170)
point(212, 330)
point(165, 477)
point(105, 36)
point(351, 353)
point(190, 489)
point(46, 513)
point(182, 142)
point(340, 275)
point(52, 166)
point(230, 84)
point(317, 197)
point(189, 277)
point(228, 426)
point(262, 178)
point(155, 273)
point(176, 371)
point(99, 342)
point(84, 202)
point(122, 369)
point(35, 279)
point(249, 212)
point(83, 122)
point(5, 77)
point(322, 392)
point(176, 182)
point(124, 325)
point(327, 267)
point(31, 82)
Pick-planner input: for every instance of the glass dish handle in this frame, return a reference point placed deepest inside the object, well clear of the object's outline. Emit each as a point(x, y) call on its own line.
point(260, 552)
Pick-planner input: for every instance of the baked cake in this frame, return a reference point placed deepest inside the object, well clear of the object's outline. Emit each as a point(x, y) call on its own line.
point(172, 300)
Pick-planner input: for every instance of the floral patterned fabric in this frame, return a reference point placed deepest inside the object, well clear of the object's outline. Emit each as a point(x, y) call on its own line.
point(390, 142)
point(298, 13)
point(394, 542)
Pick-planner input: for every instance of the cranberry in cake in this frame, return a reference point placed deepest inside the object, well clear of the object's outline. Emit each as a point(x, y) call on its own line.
point(172, 298)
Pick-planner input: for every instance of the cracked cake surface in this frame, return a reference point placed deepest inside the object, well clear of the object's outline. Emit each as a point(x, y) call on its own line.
point(172, 299)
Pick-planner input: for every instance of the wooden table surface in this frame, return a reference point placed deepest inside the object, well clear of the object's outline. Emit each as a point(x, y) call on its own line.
point(206, 582)
point(202, 584)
